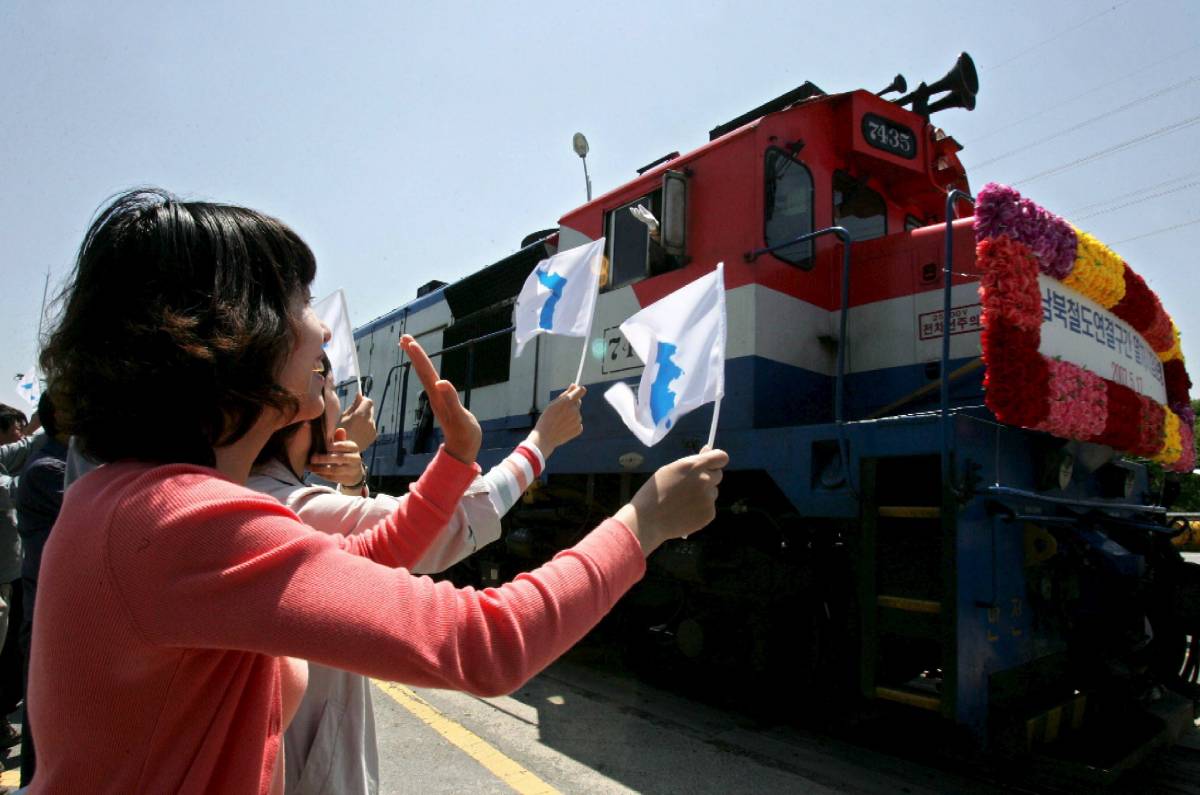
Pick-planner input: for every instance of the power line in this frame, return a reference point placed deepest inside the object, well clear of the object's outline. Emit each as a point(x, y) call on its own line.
point(1072, 212)
point(1139, 201)
point(1057, 105)
point(1094, 119)
point(1141, 139)
point(1058, 35)
point(1159, 231)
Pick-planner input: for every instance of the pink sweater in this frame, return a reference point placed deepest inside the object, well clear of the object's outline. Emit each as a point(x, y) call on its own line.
point(167, 595)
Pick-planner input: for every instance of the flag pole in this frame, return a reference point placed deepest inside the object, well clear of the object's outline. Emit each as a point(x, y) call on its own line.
point(582, 359)
point(712, 431)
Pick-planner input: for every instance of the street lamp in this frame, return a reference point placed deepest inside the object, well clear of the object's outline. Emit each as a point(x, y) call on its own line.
point(580, 145)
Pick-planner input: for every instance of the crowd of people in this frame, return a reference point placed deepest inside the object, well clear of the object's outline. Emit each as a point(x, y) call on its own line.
point(207, 615)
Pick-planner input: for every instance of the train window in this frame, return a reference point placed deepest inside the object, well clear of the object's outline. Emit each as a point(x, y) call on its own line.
point(857, 208)
point(490, 361)
point(631, 252)
point(912, 222)
point(788, 209)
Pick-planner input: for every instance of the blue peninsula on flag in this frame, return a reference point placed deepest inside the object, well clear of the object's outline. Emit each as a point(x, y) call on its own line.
point(681, 338)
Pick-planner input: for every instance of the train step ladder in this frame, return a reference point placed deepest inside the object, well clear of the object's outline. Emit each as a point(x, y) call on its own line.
point(905, 558)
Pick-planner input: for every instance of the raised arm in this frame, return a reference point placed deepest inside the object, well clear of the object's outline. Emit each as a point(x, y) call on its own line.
point(273, 586)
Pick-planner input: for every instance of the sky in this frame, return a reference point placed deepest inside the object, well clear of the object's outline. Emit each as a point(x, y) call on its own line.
point(408, 142)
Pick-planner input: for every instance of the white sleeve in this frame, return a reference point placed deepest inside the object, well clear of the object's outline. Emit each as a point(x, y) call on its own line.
point(340, 514)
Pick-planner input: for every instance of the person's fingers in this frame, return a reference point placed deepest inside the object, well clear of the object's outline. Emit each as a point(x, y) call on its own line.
point(339, 435)
point(358, 398)
point(575, 392)
point(713, 459)
point(426, 372)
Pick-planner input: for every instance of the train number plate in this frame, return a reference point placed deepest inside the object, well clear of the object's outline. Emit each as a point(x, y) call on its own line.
point(618, 356)
point(889, 136)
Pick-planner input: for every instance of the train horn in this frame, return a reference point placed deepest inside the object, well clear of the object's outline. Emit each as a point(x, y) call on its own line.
point(962, 83)
point(899, 85)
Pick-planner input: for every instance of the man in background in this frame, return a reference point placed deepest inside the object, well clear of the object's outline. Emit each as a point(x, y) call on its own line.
point(39, 499)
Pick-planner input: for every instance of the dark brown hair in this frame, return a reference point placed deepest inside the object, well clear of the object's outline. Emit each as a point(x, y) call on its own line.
point(173, 327)
point(9, 417)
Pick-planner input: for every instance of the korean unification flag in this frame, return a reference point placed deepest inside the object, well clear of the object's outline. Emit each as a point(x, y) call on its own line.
point(340, 349)
point(29, 389)
point(559, 296)
point(681, 338)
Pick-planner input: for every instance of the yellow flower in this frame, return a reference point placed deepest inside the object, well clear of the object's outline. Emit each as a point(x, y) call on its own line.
point(1172, 443)
point(1176, 349)
point(1098, 273)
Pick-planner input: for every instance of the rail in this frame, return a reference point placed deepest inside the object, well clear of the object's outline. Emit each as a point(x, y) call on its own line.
point(948, 274)
point(844, 236)
point(839, 388)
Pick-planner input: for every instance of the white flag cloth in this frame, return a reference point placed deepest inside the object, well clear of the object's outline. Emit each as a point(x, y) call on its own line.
point(559, 296)
point(340, 349)
point(681, 338)
point(29, 388)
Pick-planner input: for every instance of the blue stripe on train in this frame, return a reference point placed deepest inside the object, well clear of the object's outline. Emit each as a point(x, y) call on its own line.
point(760, 394)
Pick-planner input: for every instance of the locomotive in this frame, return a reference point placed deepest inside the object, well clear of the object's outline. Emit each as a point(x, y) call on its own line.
point(885, 534)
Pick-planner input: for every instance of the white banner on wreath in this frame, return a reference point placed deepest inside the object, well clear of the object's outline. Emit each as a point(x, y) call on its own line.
point(1078, 330)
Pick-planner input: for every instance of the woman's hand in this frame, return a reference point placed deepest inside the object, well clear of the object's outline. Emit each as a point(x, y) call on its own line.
point(678, 499)
point(359, 421)
point(342, 464)
point(459, 426)
point(561, 422)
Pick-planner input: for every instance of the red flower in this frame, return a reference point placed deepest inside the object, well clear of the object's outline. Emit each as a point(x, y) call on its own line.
point(1177, 381)
point(1159, 334)
point(1008, 286)
point(1121, 429)
point(1138, 306)
point(1017, 380)
point(1151, 427)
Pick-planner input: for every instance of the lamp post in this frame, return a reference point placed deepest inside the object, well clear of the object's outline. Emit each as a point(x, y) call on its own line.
point(580, 145)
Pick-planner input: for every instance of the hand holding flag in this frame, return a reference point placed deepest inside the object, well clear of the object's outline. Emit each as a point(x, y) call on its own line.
point(681, 338)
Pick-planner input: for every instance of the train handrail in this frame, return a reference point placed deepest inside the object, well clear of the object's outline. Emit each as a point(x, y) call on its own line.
point(1001, 493)
point(839, 385)
point(844, 236)
point(952, 196)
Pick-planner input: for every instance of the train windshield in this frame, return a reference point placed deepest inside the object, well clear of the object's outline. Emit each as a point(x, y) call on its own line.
point(631, 251)
point(788, 208)
point(857, 208)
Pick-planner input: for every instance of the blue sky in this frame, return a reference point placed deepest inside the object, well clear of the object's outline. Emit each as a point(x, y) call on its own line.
point(410, 143)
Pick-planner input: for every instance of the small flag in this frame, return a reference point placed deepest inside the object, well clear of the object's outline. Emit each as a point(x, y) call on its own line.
point(340, 349)
point(29, 388)
point(559, 296)
point(681, 338)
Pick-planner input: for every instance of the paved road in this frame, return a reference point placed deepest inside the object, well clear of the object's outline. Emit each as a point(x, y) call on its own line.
point(575, 730)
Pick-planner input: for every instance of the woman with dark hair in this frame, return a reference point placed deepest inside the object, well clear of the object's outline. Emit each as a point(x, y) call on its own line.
point(330, 744)
point(170, 595)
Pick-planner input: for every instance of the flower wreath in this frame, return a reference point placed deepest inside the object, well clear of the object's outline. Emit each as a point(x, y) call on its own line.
point(1016, 239)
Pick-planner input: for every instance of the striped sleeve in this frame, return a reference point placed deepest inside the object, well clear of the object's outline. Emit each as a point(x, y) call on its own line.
point(508, 480)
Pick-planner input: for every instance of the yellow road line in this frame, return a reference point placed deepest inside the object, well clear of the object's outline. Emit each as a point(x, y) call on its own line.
point(505, 769)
